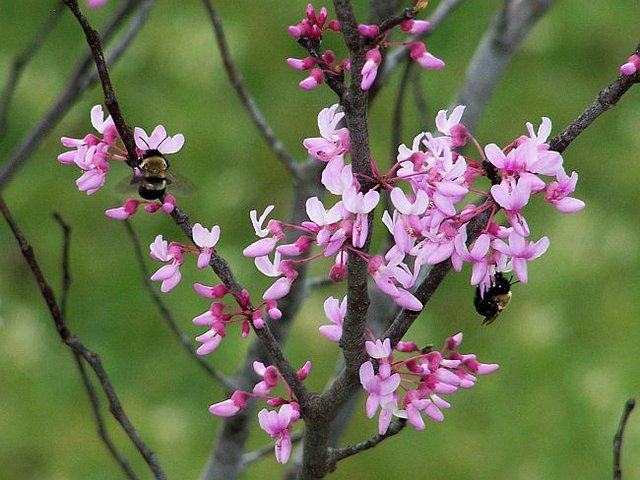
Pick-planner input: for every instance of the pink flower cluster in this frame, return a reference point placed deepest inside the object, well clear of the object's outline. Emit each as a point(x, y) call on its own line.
point(312, 28)
point(277, 424)
point(632, 66)
point(173, 254)
point(411, 388)
point(429, 220)
point(92, 154)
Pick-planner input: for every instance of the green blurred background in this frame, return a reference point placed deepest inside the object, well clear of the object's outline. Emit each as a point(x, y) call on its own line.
point(568, 346)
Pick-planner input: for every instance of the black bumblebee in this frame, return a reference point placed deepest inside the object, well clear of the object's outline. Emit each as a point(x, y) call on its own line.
point(494, 300)
point(151, 177)
point(152, 183)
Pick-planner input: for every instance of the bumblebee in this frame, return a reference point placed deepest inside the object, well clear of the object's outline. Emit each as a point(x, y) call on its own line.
point(494, 300)
point(152, 181)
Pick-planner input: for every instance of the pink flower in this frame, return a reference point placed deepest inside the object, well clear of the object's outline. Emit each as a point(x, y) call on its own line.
point(521, 251)
point(206, 240)
point(96, 3)
point(169, 275)
point(557, 193)
point(451, 126)
point(418, 52)
point(632, 66)
point(158, 140)
point(278, 425)
point(381, 388)
point(314, 79)
point(333, 141)
point(334, 311)
point(379, 349)
point(231, 406)
point(370, 68)
point(415, 27)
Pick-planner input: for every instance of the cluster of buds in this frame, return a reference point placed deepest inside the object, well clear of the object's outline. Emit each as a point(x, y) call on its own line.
point(309, 32)
point(429, 220)
point(277, 424)
point(93, 153)
point(411, 388)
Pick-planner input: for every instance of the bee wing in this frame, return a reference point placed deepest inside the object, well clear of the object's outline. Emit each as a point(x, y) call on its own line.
point(178, 184)
point(129, 184)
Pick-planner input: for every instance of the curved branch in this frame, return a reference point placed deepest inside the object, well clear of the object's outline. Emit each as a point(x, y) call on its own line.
point(246, 98)
point(77, 347)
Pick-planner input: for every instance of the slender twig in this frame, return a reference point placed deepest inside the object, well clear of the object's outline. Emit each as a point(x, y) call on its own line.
point(94, 401)
point(82, 79)
point(74, 343)
point(168, 316)
point(617, 440)
point(21, 61)
point(66, 272)
point(110, 99)
point(420, 101)
point(342, 453)
point(246, 98)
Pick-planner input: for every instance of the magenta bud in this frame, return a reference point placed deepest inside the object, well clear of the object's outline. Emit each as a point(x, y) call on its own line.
point(334, 25)
point(304, 371)
point(368, 30)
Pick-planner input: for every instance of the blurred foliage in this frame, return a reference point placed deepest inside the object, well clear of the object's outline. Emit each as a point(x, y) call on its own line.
point(568, 345)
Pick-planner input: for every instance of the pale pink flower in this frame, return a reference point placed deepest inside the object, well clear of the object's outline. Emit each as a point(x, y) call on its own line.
point(231, 406)
point(333, 141)
point(415, 27)
point(158, 140)
point(370, 68)
point(380, 386)
point(278, 425)
point(206, 240)
point(418, 52)
point(335, 311)
point(521, 251)
point(169, 275)
point(379, 349)
point(96, 3)
point(557, 193)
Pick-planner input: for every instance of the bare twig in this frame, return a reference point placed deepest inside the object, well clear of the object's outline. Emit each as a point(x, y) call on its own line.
point(168, 316)
point(94, 401)
point(342, 453)
point(21, 61)
point(617, 440)
point(91, 392)
point(78, 83)
point(78, 347)
point(246, 98)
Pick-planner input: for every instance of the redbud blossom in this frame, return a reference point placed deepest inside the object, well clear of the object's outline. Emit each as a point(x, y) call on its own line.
point(158, 140)
point(415, 27)
point(335, 311)
point(206, 240)
point(278, 425)
point(373, 59)
point(369, 31)
point(632, 66)
point(418, 52)
point(314, 79)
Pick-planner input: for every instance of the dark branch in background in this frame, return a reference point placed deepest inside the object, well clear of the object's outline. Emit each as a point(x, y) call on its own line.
point(184, 341)
point(420, 102)
point(110, 99)
point(503, 38)
point(235, 78)
point(77, 347)
point(20, 62)
point(341, 453)
point(82, 79)
point(94, 400)
point(617, 440)
point(251, 457)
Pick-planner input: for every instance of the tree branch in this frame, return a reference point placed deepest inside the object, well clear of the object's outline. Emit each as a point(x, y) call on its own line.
point(235, 78)
point(617, 440)
point(74, 343)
